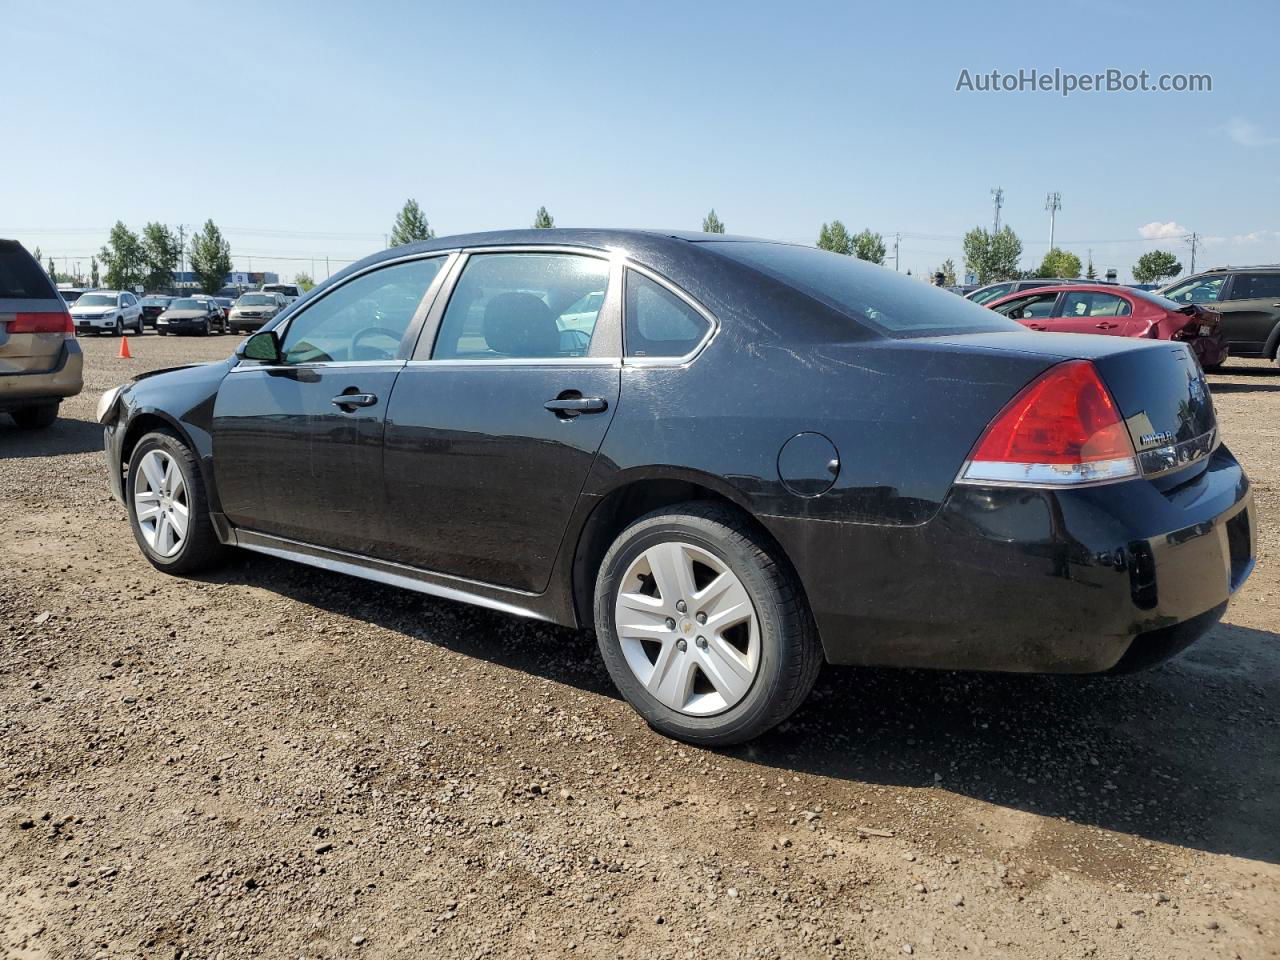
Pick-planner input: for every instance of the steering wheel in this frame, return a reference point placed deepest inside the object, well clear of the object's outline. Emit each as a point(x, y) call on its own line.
point(370, 332)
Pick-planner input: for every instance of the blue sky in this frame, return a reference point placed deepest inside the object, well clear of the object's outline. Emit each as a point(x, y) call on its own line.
point(301, 128)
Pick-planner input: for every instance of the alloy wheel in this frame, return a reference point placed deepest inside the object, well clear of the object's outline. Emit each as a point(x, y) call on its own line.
point(688, 628)
point(160, 503)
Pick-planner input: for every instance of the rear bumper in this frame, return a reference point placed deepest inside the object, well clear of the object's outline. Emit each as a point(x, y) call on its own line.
point(1083, 581)
point(65, 379)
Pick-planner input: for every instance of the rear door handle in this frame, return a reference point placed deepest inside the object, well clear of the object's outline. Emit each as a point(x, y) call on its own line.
point(575, 405)
point(1106, 326)
point(354, 400)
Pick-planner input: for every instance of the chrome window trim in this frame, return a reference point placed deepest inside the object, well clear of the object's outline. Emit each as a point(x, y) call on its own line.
point(713, 327)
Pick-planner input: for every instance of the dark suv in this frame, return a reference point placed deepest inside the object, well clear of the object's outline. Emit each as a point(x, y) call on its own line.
point(1248, 299)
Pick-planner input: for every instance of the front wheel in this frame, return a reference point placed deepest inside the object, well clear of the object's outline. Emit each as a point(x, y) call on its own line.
point(168, 506)
point(703, 630)
point(118, 329)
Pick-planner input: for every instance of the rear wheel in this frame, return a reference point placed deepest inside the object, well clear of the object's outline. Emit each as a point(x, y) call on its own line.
point(36, 417)
point(168, 506)
point(702, 629)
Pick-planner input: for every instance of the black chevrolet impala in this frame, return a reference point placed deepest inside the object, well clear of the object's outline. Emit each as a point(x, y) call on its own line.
point(734, 459)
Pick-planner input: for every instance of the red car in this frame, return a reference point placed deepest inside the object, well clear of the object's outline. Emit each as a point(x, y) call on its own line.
point(1118, 312)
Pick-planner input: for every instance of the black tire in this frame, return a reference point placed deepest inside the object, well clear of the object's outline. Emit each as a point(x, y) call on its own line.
point(790, 657)
point(206, 330)
point(118, 329)
point(160, 333)
point(201, 549)
point(37, 417)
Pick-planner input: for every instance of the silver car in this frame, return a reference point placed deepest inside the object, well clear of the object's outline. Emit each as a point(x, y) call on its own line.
point(107, 311)
point(40, 361)
point(252, 310)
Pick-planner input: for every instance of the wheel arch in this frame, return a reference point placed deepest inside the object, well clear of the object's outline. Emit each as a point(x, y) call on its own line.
point(631, 498)
point(146, 421)
point(1269, 350)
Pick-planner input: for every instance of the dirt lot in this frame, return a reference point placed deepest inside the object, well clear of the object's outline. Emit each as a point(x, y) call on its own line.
point(279, 762)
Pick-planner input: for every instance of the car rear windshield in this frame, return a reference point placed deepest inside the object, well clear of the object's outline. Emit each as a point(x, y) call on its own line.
point(21, 277)
point(882, 299)
point(154, 301)
point(255, 300)
point(187, 304)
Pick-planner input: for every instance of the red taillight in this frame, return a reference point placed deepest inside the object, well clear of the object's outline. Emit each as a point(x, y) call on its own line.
point(41, 323)
point(1062, 429)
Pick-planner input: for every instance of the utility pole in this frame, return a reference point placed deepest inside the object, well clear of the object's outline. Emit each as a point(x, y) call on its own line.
point(1052, 203)
point(997, 200)
point(326, 267)
point(1193, 240)
point(897, 240)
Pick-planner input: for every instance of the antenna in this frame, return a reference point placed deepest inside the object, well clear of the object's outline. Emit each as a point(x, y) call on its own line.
point(997, 200)
point(1052, 203)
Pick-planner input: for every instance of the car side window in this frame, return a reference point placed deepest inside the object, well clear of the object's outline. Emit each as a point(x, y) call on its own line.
point(1205, 289)
point(1028, 308)
point(1094, 305)
point(1256, 286)
point(364, 319)
point(657, 323)
point(993, 293)
point(523, 306)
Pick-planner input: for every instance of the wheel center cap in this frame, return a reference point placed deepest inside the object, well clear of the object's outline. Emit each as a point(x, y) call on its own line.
point(686, 626)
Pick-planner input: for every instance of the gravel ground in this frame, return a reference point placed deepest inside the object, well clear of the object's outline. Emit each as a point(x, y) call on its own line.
point(274, 761)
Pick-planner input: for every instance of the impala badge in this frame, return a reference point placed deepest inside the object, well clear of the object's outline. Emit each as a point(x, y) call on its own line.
point(1156, 439)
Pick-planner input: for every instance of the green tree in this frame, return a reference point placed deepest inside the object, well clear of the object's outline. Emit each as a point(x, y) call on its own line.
point(1059, 263)
point(711, 223)
point(304, 281)
point(93, 271)
point(992, 257)
point(869, 246)
point(835, 237)
point(948, 271)
point(161, 252)
point(124, 259)
point(210, 257)
point(1091, 274)
point(542, 220)
point(1156, 265)
point(411, 225)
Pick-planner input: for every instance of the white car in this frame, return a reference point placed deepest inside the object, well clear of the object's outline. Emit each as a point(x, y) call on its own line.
point(290, 291)
point(107, 311)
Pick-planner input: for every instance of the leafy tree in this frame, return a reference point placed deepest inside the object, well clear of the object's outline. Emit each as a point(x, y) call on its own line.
point(1091, 274)
point(411, 225)
point(304, 281)
point(123, 256)
point(1156, 265)
point(835, 237)
point(1059, 263)
point(948, 271)
point(210, 257)
point(869, 246)
point(711, 223)
point(161, 252)
point(543, 220)
point(93, 271)
point(992, 257)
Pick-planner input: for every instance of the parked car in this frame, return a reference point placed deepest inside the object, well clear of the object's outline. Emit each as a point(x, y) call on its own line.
point(153, 306)
point(993, 291)
point(1118, 312)
point(71, 294)
point(1248, 298)
point(225, 304)
point(253, 310)
point(220, 321)
point(40, 361)
point(869, 471)
point(290, 291)
point(191, 315)
point(107, 311)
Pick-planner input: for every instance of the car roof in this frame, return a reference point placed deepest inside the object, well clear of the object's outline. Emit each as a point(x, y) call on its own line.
point(1269, 267)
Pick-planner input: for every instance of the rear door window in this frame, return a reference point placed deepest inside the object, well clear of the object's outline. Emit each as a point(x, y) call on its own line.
point(657, 322)
point(1256, 286)
point(21, 278)
point(1094, 305)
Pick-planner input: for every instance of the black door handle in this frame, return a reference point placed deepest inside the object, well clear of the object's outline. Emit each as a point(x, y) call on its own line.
point(354, 400)
point(572, 406)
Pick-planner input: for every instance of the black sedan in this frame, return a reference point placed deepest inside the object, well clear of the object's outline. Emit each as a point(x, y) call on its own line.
point(153, 306)
point(733, 459)
point(191, 315)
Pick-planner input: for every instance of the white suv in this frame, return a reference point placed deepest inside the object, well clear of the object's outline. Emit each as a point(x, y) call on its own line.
point(110, 311)
point(290, 291)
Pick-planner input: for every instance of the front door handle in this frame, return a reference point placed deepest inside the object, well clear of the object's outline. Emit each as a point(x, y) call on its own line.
point(354, 400)
point(572, 406)
point(1106, 326)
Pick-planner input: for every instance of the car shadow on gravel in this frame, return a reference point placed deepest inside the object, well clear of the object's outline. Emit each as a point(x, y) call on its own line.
point(1229, 387)
point(1186, 753)
point(65, 436)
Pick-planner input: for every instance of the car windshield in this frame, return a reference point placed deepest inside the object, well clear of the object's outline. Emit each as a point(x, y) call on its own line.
point(97, 300)
point(280, 288)
point(880, 298)
point(187, 303)
point(255, 300)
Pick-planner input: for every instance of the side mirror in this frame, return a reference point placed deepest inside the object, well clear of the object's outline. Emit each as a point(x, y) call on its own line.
point(263, 346)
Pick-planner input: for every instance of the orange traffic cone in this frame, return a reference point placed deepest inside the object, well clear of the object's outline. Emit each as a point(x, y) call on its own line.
point(124, 349)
